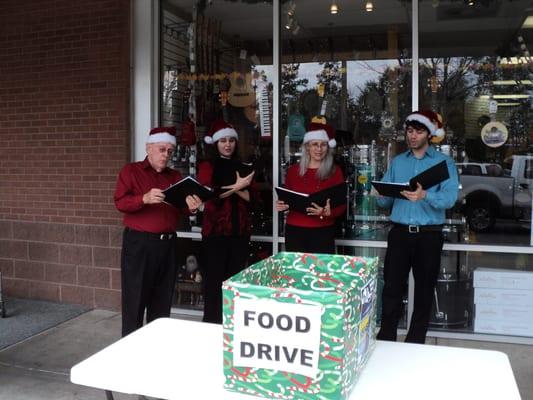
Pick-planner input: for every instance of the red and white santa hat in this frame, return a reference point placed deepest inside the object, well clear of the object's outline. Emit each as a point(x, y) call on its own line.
point(219, 129)
point(431, 120)
point(166, 134)
point(320, 130)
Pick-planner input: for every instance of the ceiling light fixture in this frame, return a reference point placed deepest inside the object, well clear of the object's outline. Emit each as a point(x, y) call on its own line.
point(471, 3)
point(369, 6)
point(289, 23)
point(291, 9)
point(513, 82)
point(506, 96)
point(334, 9)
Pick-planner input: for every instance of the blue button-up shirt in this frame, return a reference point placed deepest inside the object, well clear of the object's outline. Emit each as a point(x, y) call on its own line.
point(430, 210)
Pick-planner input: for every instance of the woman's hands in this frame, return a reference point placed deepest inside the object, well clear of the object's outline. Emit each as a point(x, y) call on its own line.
point(240, 182)
point(315, 209)
point(318, 211)
point(238, 187)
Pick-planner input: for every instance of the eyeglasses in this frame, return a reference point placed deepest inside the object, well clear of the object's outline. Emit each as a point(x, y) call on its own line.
point(318, 145)
point(165, 150)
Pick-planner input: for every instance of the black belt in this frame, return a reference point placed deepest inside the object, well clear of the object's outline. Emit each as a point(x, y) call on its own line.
point(418, 228)
point(152, 235)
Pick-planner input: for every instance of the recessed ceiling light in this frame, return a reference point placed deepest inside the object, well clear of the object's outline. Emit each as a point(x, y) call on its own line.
point(334, 9)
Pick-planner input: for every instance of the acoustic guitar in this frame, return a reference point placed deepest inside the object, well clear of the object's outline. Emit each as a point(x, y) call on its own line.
point(241, 92)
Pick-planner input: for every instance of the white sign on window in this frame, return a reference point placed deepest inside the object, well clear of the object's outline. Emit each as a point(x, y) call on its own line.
point(279, 336)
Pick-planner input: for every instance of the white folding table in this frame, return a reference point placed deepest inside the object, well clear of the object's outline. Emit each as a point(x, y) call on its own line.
point(176, 359)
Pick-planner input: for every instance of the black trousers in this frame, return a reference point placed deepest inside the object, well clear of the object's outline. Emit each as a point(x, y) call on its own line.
point(310, 240)
point(148, 275)
point(223, 257)
point(422, 252)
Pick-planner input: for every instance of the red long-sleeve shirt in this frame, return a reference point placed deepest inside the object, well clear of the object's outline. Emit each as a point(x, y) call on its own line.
point(134, 180)
point(309, 183)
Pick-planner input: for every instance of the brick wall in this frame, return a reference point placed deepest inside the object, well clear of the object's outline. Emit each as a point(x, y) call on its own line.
point(64, 129)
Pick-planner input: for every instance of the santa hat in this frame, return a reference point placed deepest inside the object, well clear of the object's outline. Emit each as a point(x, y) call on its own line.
point(320, 130)
point(431, 120)
point(160, 134)
point(219, 129)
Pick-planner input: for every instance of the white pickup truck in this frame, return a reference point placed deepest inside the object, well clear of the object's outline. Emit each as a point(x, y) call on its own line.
point(489, 191)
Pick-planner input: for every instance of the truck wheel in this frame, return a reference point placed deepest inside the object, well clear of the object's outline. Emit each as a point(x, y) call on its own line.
point(481, 217)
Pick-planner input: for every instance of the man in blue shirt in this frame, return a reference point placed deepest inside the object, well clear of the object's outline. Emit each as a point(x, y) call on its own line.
point(415, 240)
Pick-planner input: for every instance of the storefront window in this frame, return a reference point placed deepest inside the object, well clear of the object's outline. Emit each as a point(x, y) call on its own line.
point(475, 72)
point(355, 72)
point(352, 66)
point(213, 60)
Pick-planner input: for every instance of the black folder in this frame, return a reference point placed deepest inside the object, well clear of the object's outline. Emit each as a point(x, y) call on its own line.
point(176, 193)
point(228, 168)
point(428, 178)
point(391, 189)
point(298, 201)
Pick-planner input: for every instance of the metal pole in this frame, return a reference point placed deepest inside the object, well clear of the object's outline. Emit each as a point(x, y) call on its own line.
point(414, 92)
point(276, 117)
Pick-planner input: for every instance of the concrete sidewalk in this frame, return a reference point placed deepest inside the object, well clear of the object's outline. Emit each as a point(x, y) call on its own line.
point(38, 368)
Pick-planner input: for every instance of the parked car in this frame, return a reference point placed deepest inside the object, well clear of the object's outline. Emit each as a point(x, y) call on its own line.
point(490, 191)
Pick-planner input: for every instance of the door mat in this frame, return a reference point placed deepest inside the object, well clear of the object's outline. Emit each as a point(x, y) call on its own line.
point(26, 318)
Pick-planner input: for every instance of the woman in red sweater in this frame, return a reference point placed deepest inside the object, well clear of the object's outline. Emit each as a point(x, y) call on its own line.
point(226, 225)
point(314, 231)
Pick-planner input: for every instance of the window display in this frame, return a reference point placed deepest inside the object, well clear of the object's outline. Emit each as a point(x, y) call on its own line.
point(362, 70)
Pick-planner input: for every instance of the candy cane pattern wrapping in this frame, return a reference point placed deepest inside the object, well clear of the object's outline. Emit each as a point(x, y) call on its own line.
point(333, 282)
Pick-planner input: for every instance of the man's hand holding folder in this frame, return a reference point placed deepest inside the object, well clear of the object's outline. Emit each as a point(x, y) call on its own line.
point(187, 193)
point(414, 189)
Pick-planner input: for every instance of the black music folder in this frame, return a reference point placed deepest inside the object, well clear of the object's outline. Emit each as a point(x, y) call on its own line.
point(428, 178)
point(390, 189)
point(227, 170)
point(176, 193)
point(298, 201)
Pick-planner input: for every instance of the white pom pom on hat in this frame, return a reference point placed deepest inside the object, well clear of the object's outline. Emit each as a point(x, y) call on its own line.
point(219, 129)
point(431, 120)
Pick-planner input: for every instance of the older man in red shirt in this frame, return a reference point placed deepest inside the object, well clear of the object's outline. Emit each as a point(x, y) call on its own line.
point(148, 261)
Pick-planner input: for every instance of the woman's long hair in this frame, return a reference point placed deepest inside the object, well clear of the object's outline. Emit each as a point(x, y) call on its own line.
point(327, 167)
point(211, 151)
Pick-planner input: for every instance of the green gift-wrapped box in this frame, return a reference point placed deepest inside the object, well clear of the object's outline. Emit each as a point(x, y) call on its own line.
point(299, 326)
